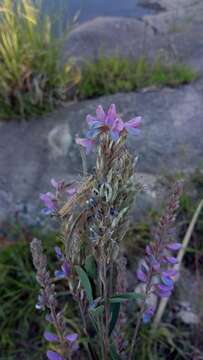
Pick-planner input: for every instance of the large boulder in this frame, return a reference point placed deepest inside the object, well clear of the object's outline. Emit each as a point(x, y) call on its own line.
point(176, 33)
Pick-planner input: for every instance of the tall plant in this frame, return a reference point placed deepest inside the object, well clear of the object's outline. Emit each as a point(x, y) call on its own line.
point(92, 263)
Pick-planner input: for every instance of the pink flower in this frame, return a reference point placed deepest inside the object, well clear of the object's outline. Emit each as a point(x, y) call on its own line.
point(111, 122)
point(105, 122)
point(132, 126)
point(86, 143)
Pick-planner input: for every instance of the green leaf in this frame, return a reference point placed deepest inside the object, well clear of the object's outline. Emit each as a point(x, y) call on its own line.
point(85, 282)
point(114, 309)
point(94, 314)
point(125, 296)
point(90, 266)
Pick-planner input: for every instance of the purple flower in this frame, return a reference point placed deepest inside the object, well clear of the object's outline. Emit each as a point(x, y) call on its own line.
point(111, 122)
point(49, 201)
point(132, 126)
point(58, 253)
point(170, 260)
point(86, 143)
point(56, 184)
point(66, 269)
point(148, 315)
point(170, 273)
point(141, 275)
point(163, 290)
point(64, 272)
point(71, 337)
point(167, 280)
point(149, 250)
point(50, 336)
point(174, 246)
point(52, 355)
point(116, 129)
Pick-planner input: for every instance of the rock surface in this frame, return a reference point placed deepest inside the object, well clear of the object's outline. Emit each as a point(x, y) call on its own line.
point(177, 33)
point(32, 153)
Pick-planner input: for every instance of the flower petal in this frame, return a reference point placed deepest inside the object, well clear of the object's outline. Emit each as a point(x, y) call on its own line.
point(52, 355)
point(59, 274)
point(171, 260)
point(49, 336)
point(86, 143)
point(147, 315)
point(48, 200)
point(149, 250)
point(174, 246)
point(66, 268)
point(141, 276)
point(54, 183)
point(170, 273)
point(92, 133)
point(71, 337)
point(58, 252)
point(100, 113)
point(132, 126)
point(167, 281)
point(111, 115)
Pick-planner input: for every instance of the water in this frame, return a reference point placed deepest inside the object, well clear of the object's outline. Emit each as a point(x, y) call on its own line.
point(88, 9)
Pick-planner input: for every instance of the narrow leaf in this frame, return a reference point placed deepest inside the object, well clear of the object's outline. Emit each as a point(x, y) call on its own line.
point(125, 296)
point(90, 266)
point(85, 282)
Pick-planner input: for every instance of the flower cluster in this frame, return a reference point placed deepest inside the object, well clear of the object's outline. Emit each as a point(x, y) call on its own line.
point(157, 272)
point(47, 299)
point(109, 122)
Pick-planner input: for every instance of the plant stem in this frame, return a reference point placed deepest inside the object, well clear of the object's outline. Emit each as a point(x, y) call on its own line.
point(89, 350)
point(106, 310)
point(59, 333)
point(136, 331)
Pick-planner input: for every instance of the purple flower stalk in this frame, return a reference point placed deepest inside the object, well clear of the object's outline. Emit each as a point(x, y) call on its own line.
point(157, 272)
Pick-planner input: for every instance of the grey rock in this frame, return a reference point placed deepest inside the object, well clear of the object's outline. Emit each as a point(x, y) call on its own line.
point(176, 33)
point(171, 140)
point(171, 4)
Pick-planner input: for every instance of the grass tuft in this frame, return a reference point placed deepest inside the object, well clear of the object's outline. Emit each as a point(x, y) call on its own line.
point(32, 78)
point(110, 75)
